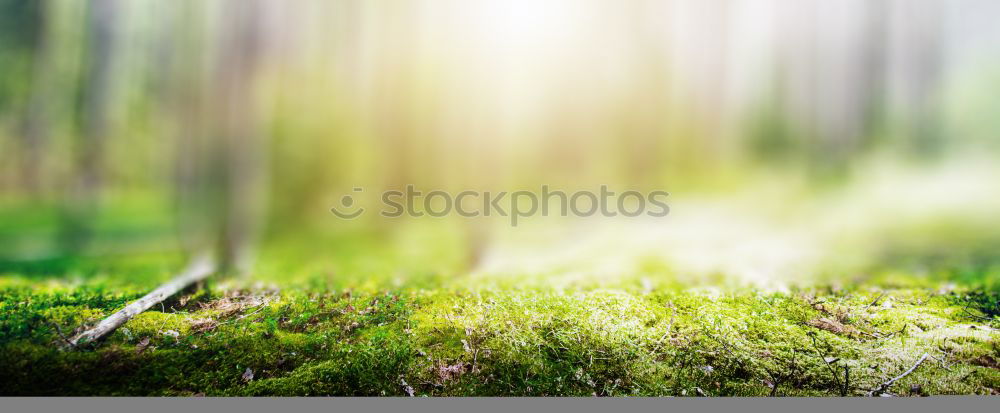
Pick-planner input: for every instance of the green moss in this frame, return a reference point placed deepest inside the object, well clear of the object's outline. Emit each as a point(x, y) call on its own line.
point(500, 341)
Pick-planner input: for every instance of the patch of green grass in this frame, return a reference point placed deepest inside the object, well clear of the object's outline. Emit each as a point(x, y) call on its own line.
point(508, 341)
point(359, 314)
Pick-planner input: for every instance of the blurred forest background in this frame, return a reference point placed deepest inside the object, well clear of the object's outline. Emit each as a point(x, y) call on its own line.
point(798, 139)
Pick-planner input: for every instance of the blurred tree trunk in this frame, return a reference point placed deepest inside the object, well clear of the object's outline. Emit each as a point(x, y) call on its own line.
point(241, 149)
point(103, 16)
point(917, 52)
point(35, 128)
point(832, 66)
point(185, 98)
point(89, 151)
point(221, 167)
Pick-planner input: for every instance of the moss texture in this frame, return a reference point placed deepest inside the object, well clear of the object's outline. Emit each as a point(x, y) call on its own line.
point(228, 340)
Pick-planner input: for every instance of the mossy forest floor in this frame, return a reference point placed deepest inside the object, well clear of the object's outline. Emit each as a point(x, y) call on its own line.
point(433, 337)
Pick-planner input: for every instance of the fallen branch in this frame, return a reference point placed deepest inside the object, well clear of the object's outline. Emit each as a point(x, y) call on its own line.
point(885, 386)
point(199, 269)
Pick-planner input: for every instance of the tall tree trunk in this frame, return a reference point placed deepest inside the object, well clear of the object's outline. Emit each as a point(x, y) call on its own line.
point(240, 146)
point(220, 164)
point(35, 128)
point(87, 181)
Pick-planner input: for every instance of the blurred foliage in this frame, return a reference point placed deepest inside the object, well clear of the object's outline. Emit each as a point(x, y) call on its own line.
point(833, 196)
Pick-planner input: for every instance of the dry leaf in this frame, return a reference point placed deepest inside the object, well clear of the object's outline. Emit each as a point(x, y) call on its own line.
point(202, 325)
point(831, 325)
point(139, 348)
point(447, 372)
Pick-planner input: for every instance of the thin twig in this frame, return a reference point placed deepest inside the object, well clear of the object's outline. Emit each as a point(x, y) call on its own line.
point(944, 365)
point(847, 381)
point(877, 299)
point(822, 355)
point(68, 342)
point(885, 386)
point(965, 310)
point(257, 309)
point(670, 327)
